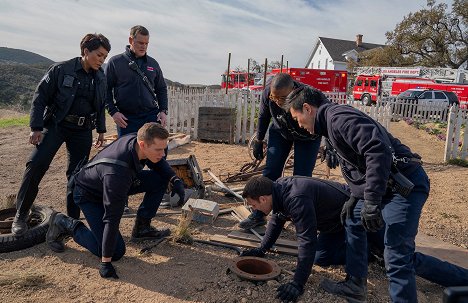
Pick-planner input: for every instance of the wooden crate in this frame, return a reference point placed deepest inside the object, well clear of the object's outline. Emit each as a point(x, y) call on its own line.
point(216, 124)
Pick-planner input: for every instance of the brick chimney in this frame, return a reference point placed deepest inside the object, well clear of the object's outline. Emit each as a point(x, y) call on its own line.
point(358, 40)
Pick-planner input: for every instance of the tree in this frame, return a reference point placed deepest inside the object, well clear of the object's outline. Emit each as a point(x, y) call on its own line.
point(431, 37)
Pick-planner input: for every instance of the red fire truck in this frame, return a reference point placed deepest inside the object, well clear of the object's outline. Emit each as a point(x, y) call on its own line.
point(238, 79)
point(322, 79)
point(393, 81)
point(367, 88)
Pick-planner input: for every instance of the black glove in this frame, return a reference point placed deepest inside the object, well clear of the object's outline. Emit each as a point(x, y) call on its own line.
point(289, 292)
point(371, 216)
point(257, 150)
point(253, 252)
point(347, 210)
point(106, 270)
point(177, 187)
point(329, 154)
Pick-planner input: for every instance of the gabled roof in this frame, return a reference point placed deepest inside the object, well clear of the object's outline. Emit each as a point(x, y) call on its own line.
point(337, 47)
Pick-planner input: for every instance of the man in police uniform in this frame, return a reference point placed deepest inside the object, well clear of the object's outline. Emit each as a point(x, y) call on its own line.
point(102, 188)
point(387, 182)
point(283, 133)
point(67, 105)
point(315, 205)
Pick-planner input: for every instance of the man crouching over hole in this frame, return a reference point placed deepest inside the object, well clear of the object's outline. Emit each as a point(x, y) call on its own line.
point(102, 188)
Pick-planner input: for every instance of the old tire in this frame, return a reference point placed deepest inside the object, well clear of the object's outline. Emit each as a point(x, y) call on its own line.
point(366, 100)
point(39, 223)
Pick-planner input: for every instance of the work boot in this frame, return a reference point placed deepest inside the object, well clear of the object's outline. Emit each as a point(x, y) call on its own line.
point(60, 227)
point(252, 221)
point(20, 223)
point(352, 289)
point(144, 231)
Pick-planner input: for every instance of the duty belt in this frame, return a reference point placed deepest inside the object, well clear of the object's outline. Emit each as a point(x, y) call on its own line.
point(396, 159)
point(80, 120)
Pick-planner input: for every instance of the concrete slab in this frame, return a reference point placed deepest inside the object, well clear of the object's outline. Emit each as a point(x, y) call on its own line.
point(442, 250)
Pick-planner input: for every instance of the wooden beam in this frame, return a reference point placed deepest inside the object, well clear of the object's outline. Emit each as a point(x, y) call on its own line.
point(245, 243)
point(249, 237)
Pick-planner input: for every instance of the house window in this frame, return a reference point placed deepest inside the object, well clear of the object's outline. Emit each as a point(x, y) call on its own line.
point(320, 51)
point(312, 65)
point(326, 64)
point(318, 65)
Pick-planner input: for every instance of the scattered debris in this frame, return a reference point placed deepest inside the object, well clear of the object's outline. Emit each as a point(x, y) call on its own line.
point(203, 211)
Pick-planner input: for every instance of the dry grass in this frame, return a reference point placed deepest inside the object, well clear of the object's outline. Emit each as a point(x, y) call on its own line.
point(183, 233)
point(22, 279)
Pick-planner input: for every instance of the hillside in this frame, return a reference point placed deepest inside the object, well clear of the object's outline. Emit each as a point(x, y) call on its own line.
point(13, 55)
point(21, 71)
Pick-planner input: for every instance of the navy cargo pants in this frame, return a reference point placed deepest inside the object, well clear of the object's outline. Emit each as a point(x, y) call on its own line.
point(401, 216)
point(331, 250)
point(149, 182)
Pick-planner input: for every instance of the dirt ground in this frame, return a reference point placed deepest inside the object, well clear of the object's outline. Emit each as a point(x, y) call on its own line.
point(198, 273)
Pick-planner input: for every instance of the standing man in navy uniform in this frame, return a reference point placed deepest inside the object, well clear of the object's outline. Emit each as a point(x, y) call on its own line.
point(102, 188)
point(137, 92)
point(315, 205)
point(67, 105)
point(388, 187)
point(283, 133)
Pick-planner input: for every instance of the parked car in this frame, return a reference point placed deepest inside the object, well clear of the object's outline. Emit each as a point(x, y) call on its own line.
point(429, 96)
point(426, 102)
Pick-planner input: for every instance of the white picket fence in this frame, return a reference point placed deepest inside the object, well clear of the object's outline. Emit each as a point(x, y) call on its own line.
point(416, 110)
point(456, 142)
point(184, 106)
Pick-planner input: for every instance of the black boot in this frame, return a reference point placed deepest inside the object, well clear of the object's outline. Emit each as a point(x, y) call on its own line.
point(60, 227)
point(353, 289)
point(253, 220)
point(20, 223)
point(144, 231)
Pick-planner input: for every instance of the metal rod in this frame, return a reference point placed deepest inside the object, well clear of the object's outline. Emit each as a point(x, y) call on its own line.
point(248, 73)
point(281, 66)
point(265, 73)
point(227, 73)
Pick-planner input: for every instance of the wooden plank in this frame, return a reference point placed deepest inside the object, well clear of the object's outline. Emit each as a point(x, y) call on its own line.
point(249, 237)
point(442, 250)
point(242, 212)
point(245, 243)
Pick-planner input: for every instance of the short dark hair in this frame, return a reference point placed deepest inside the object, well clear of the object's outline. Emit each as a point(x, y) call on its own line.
point(151, 130)
point(304, 94)
point(138, 29)
point(93, 42)
point(257, 186)
point(281, 81)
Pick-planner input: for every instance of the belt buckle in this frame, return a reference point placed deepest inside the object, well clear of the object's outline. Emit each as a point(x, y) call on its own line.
point(81, 121)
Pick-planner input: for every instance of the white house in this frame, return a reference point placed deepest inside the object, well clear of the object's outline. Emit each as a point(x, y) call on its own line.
point(329, 53)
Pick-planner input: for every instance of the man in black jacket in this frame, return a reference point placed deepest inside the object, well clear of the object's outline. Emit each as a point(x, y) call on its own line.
point(67, 105)
point(102, 188)
point(137, 92)
point(130, 101)
point(388, 185)
point(314, 205)
point(283, 133)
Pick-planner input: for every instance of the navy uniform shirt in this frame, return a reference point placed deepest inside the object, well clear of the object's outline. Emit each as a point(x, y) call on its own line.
point(365, 149)
point(312, 205)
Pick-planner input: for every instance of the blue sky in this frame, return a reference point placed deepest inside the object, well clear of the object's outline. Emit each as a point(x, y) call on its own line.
point(191, 39)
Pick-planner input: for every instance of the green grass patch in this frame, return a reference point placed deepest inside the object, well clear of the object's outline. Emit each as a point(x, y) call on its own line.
point(16, 121)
